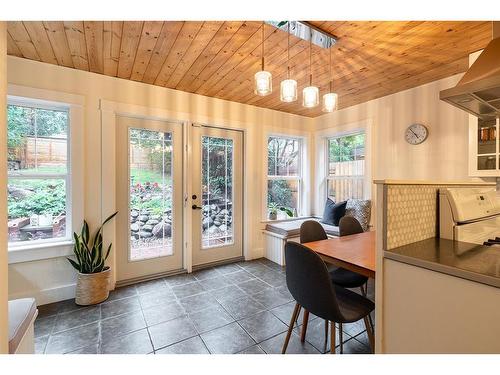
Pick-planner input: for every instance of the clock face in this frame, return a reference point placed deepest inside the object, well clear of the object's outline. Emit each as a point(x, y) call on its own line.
point(416, 134)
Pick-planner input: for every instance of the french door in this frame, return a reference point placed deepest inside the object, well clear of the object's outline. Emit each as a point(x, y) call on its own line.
point(217, 199)
point(149, 198)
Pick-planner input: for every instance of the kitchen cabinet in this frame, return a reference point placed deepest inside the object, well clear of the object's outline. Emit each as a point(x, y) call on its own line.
point(484, 147)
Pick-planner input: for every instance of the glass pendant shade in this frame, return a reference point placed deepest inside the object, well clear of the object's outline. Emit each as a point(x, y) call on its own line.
point(288, 92)
point(310, 96)
point(263, 83)
point(330, 102)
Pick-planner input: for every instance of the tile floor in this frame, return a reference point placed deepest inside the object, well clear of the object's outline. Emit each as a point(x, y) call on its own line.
point(237, 308)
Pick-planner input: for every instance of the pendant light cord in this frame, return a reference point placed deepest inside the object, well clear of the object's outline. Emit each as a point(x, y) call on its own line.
point(331, 71)
point(288, 52)
point(310, 57)
point(262, 45)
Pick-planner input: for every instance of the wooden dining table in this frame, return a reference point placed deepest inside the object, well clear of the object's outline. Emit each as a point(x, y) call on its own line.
point(355, 252)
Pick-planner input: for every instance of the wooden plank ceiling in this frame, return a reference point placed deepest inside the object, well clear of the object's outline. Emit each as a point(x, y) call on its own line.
point(219, 58)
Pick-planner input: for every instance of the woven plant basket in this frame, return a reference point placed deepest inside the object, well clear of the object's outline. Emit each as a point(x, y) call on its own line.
point(92, 288)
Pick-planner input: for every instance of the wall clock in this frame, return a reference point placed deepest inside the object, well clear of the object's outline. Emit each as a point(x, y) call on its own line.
point(416, 134)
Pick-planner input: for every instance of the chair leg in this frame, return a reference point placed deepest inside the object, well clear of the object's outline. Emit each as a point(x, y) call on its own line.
point(305, 320)
point(326, 335)
point(363, 289)
point(341, 339)
point(298, 316)
point(332, 337)
point(290, 327)
point(369, 331)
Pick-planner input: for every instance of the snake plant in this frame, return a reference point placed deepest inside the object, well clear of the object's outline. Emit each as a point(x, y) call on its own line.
point(89, 252)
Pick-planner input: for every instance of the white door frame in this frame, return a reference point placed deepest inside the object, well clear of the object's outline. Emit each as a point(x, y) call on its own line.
point(108, 111)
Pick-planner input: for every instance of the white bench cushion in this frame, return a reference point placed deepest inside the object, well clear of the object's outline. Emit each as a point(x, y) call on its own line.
point(21, 313)
point(291, 228)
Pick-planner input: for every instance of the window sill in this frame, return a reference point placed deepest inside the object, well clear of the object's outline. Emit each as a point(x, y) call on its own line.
point(29, 253)
point(267, 221)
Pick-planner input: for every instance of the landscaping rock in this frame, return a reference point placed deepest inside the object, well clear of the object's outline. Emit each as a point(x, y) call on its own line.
point(162, 228)
point(152, 222)
point(147, 228)
point(143, 218)
point(144, 234)
point(134, 227)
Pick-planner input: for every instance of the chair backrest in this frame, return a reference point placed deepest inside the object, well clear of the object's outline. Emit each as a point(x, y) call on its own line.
point(349, 225)
point(309, 283)
point(311, 230)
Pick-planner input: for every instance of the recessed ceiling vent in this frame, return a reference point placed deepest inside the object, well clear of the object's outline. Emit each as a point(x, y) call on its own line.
point(306, 31)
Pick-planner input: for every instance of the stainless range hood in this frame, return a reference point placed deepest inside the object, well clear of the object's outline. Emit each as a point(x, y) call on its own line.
point(478, 92)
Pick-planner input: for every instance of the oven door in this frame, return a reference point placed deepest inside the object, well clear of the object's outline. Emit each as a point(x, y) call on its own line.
point(479, 231)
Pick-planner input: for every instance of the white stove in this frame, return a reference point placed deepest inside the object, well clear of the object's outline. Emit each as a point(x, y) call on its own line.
point(470, 215)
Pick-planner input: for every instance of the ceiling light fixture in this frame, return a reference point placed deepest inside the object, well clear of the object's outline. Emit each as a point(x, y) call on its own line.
point(330, 100)
point(288, 89)
point(263, 79)
point(310, 94)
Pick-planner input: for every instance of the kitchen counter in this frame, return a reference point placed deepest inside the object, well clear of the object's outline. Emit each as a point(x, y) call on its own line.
point(461, 259)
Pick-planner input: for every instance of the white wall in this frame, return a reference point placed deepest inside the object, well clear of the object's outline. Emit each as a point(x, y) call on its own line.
point(443, 156)
point(50, 280)
point(3, 191)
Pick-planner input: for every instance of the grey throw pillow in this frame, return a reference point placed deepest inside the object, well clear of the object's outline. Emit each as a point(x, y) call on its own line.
point(360, 209)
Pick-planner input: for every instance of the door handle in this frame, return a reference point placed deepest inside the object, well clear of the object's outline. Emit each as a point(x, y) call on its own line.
point(195, 207)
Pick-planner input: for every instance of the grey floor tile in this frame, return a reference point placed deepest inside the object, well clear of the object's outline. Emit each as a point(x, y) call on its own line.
point(194, 345)
point(187, 290)
point(198, 302)
point(47, 310)
point(228, 268)
point(171, 332)
point(151, 286)
point(353, 346)
point(77, 318)
point(274, 345)
point(211, 318)
point(355, 328)
point(256, 349)
point(242, 307)
point(253, 286)
point(68, 306)
point(91, 349)
point(363, 339)
point(159, 297)
point(179, 279)
point(284, 290)
point(40, 344)
point(133, 343)
point(163, 313)
point(123, 292)
point(284, 313)
point(227, 340)
point(120, 325)
point(215, 283)
point(275, 279)
point(315, 335)
point(208, 273)
point(72, 339)
point(118, 307)
point(44, 326)
point(239, 276)
point(263, 326)
point(270, 298)
point(228, 292)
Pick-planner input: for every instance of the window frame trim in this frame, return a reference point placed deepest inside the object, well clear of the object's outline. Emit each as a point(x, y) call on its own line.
point(24, 251)
point(299, 178)
point(328, 177)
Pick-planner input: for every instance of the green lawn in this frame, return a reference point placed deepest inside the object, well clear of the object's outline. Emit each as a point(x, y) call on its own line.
point(142, 176)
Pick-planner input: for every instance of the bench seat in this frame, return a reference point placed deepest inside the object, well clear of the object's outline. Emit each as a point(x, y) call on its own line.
point(22, 315)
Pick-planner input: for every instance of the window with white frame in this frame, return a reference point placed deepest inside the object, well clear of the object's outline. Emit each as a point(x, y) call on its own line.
point(346, 167)
point(284, 175)
point(38, 173)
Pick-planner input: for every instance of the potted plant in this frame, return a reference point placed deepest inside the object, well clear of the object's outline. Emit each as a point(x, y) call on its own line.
point(92, 285)
point(273, 209)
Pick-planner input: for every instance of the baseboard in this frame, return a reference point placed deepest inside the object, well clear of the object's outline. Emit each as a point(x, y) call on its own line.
point(45, 296)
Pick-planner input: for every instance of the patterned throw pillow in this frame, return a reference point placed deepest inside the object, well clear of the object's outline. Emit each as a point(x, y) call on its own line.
point(360, 209)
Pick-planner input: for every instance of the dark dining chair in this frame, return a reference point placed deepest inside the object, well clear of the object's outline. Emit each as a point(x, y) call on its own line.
point(312, 230)
point(310, 285)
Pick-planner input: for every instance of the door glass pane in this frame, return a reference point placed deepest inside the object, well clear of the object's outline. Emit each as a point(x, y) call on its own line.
point(217, 190)
point(150, 163)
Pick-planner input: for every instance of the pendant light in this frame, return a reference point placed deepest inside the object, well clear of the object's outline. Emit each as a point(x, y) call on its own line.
point(330, 100)
point(263, 79)
point(288, 89)
point(310, 94)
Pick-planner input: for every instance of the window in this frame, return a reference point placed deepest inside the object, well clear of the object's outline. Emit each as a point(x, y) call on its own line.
point(346, 167)
point(283, 175)
point(38, 173)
